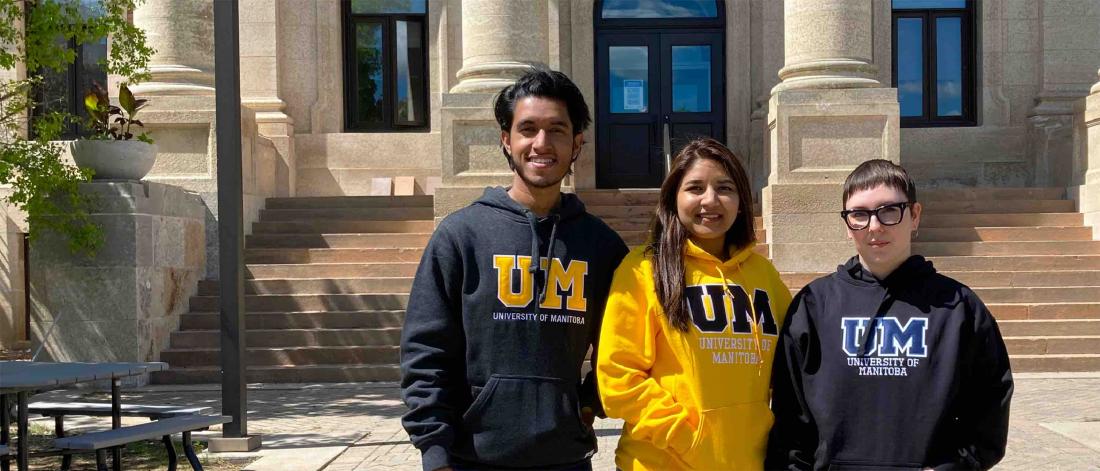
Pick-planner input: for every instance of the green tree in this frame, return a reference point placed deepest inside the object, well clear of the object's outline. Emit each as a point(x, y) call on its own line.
point(35, 34)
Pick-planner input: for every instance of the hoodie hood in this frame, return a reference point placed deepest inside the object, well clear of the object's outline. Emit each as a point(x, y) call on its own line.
point(913, 268)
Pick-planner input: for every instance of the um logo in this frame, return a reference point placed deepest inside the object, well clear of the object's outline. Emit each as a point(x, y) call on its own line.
point(888, 339)
point(513, 268)
point(710, 306)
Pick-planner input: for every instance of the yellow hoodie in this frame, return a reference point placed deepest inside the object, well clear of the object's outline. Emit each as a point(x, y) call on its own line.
point(695, 399)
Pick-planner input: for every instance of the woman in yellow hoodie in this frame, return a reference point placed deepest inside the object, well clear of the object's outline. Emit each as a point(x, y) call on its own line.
point(690, 327)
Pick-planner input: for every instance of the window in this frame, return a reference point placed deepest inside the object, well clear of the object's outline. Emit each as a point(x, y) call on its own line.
point(63, 91)
point(934, 62)
point(646, 14)
point(385, 65)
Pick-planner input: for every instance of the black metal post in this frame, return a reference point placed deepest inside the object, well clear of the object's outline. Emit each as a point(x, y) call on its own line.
point(21, 461)
point(227, 81)
point(116, 421)
point(5, 431)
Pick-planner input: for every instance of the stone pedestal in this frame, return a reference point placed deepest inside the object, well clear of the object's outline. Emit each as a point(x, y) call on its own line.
point(122, 304)
point(471, 151)
point(817, 137)
point(829, 114)
point(1089, 194)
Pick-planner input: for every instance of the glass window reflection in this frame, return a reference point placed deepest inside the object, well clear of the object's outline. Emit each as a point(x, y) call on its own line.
point(660, 9)
point(628, 68)
point(927, 4)
point(910, 65)
point(691, 79)
point(949, 84)
point(378, 7)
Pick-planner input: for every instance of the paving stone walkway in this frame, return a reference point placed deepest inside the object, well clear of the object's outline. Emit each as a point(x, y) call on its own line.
point(344, 427)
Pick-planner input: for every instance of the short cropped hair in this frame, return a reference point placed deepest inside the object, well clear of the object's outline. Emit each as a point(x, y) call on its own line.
point(873, 173)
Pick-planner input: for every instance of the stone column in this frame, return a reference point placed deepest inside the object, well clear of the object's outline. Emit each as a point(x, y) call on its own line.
point(501, 40)
point(1069, 44)
point(827, 115)
point(182, 32)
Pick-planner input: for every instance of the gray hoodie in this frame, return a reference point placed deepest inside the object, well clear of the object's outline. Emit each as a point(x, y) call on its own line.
point(493, 345)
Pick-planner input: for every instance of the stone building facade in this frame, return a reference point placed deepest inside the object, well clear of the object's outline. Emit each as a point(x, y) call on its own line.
point(963, 93)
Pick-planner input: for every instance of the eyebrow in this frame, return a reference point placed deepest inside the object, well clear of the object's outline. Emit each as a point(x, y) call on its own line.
point(556, 122)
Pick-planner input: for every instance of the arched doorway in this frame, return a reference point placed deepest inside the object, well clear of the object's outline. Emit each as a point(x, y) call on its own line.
point(660, 81)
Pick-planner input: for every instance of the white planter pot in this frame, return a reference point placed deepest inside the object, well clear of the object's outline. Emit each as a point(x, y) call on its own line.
point(115, 160)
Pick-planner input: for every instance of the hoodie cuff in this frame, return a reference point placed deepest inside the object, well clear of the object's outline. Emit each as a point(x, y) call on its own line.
point(435, 457)
point(682, 438)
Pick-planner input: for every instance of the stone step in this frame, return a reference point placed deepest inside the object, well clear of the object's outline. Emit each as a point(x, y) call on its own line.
point(348, 214)
point(988, 279)
point(1001, 234)
point(1049, 328)
point(288, 356)
point(619, 197)
point(316, 286)
point(299, 320)
point(991, 193)
point(282, 338)
point(330, 270)
point(1049, 294)
point(284, 374)
point(642, 223)
point(936, 207)
point(328, 202)
point(1045, 311)
point(1016, 263)
point(308, 302)
point(1037, 345)
point(932, 249)
point(931, 220)
point(373, 255)
point(1055, 363)
point(338, 241)
point(341, 227)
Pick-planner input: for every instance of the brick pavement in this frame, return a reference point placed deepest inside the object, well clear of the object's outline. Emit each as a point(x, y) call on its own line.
point(1038, 400)
point(364, 418)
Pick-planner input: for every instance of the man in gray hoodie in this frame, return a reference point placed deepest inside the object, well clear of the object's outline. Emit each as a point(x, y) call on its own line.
point(507, 302)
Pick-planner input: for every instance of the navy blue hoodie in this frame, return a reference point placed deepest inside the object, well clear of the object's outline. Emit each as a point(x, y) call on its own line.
point(493, 346)
point(928, 386)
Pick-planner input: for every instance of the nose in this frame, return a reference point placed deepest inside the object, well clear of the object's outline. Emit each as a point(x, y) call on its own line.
point(710, 197)
point(541, 142)
point(874, 224)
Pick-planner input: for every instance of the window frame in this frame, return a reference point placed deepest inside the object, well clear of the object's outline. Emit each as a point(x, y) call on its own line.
point(388, 22)
point(701, 22)
point(967, 38)
point(74, 103)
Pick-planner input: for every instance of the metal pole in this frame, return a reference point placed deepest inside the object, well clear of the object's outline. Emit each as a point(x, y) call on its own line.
point(227, 81)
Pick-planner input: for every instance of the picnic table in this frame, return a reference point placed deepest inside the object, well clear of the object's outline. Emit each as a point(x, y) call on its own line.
point(22, 378)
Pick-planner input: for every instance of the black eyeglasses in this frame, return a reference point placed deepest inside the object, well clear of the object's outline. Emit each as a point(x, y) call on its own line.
point(887, 215)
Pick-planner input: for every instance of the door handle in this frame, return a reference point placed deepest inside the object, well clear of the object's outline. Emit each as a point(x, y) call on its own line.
point(667, 147)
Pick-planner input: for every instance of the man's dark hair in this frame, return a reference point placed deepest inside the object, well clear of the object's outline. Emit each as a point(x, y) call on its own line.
point(873, 173)
point(542, 83)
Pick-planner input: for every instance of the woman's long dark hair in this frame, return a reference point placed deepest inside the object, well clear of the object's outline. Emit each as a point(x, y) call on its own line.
point(668, 235)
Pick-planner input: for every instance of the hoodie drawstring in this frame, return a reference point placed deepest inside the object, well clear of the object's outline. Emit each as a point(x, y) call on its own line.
point(536, 258)
point(753, 323)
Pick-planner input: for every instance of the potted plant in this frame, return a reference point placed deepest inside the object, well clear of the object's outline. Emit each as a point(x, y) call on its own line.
point(111, 151)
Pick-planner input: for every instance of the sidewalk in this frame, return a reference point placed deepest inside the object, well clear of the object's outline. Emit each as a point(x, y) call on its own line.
point(344, 427)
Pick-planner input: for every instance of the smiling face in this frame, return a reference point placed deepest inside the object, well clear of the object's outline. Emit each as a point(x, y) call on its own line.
point(883, 248)
point(541, 142)
point(707, 204)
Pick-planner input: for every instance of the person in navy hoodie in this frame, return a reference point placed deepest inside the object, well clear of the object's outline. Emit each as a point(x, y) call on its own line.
point(887, 364)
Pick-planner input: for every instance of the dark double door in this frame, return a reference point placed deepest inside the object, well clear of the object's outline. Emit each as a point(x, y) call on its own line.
point(655, 90)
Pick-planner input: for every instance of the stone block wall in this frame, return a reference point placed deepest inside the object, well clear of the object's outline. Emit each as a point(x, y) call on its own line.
point(122, 304)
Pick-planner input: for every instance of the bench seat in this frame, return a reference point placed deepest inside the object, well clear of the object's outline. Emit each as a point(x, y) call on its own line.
point(55, 409)
point(152, 430)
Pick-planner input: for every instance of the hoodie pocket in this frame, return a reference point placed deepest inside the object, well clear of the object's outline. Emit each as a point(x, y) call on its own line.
point(527, 421)
point(731, 437)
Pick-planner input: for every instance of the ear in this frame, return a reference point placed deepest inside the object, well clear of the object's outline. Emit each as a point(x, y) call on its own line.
point(506, 141)
point(578, 142)
point(915, 213)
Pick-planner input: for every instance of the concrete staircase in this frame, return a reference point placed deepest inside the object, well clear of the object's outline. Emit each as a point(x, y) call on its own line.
point(328, 279)
point(326, 286)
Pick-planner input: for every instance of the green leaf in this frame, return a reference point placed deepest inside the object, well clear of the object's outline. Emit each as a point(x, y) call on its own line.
point(126, 99)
